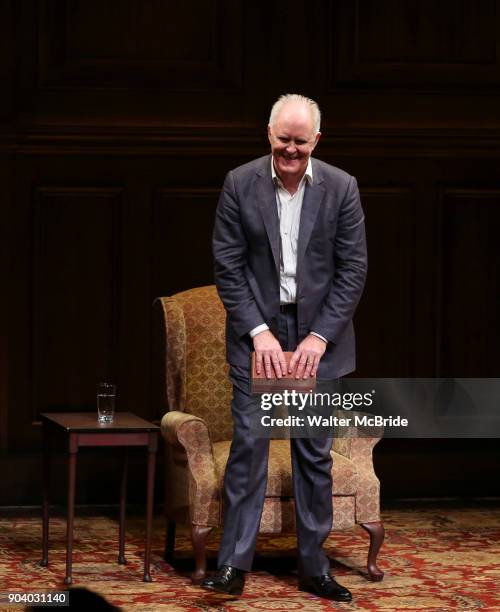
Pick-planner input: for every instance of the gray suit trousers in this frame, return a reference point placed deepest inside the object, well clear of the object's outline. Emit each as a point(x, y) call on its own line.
point(246, 478)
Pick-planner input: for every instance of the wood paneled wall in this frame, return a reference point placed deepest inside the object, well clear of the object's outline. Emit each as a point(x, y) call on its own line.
point(118, 122)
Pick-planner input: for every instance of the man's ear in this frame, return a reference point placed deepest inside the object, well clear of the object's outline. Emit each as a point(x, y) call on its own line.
point(316, 140)
point(269, 133)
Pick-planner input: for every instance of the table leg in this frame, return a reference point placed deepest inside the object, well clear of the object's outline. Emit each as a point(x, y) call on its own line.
point(123, 501)
point(45, 496)
point(71, 514)
point(149, 505)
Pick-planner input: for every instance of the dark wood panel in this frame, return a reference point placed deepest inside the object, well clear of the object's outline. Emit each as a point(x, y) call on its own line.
point(103, 97)
point(468, 282)
point(165, 233)
point(406, 468)
point(6, 54)
point(425, 31)
point(76, 295)
point(141, 44)
point(98, 478)
point(416, 44)
point(183, 222)
point(5, 168)
point(385, 316)
point(74, 72)
point(144, 32)
point(437, 468)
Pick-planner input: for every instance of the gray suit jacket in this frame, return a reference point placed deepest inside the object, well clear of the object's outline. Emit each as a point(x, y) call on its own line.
point(331, 260)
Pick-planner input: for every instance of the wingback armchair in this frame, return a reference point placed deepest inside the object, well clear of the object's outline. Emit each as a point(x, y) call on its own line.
point(195, 391)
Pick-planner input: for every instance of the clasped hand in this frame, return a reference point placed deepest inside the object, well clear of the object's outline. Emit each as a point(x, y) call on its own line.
point(269, 356)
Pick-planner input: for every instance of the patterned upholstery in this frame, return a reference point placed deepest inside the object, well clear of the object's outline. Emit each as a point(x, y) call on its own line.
point(198, 429)
point(279, 479)
point(196, 368)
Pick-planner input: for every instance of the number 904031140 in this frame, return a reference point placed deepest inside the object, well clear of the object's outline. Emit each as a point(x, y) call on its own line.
point(40, 598)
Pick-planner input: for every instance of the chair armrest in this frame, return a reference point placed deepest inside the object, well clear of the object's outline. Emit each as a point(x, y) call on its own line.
point(189, 432)
point(172, 423)
point(358, 450)
point(356, 442)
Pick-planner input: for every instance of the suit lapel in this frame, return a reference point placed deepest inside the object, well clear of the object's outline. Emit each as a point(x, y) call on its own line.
point(313, 197)
point(266, 201)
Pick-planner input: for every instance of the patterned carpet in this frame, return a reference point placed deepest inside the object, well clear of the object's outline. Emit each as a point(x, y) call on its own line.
point(434, 560)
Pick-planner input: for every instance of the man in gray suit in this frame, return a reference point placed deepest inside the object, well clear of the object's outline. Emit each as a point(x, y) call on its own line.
point(290, 265)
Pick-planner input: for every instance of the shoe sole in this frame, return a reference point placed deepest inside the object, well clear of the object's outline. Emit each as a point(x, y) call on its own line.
point(308, 590)
point(222, 594)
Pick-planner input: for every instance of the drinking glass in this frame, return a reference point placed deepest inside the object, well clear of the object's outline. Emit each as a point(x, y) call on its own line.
point(106, 394)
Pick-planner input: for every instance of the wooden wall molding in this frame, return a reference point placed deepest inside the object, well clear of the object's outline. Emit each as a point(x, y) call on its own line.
point(223, 140)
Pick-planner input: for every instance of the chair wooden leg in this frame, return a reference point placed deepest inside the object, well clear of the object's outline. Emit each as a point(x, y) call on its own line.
point(376, 531)
point(169, 553)
point(199, 535)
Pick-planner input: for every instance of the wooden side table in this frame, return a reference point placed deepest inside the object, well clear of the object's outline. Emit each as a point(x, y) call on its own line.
point(79, 429)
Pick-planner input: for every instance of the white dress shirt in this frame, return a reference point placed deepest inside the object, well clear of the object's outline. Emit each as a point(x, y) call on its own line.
point(289, 209)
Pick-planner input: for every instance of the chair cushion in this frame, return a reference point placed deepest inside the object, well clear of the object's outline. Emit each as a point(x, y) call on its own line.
point(278, 515)
point(279, 481)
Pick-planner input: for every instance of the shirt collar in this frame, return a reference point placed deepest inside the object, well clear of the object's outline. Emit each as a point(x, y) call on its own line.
point(308, 174)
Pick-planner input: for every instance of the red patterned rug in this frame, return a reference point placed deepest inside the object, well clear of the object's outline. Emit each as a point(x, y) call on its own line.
point(434, 560)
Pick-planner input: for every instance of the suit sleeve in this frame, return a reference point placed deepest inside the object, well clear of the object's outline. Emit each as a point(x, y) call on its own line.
point(351, 263)
point(230, 248)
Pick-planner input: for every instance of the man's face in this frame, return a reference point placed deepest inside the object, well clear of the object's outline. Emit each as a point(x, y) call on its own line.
point(292, 139)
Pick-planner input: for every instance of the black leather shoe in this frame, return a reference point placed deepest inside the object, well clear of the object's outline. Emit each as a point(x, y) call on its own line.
point(324, 586)
point(228, 581)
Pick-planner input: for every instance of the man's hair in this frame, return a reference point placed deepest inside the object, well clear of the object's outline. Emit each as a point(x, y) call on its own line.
point(286, 98)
